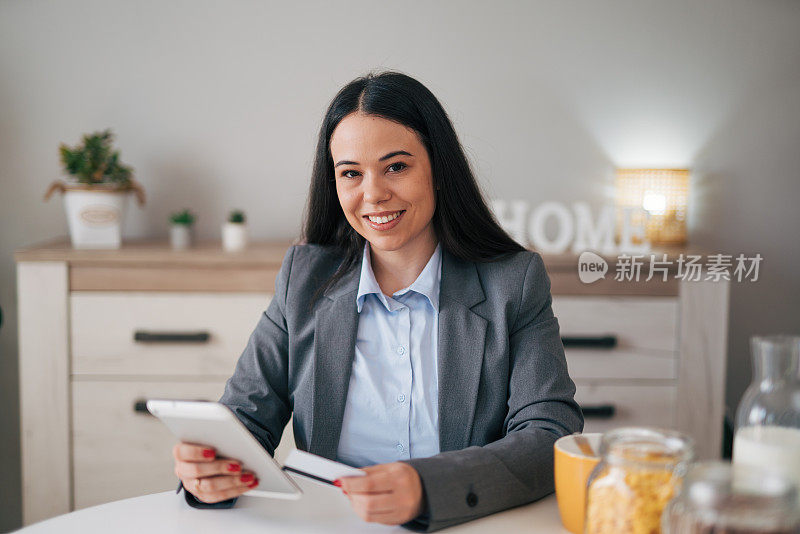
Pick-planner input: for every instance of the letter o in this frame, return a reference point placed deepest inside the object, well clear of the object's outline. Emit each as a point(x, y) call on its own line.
point(536, 231)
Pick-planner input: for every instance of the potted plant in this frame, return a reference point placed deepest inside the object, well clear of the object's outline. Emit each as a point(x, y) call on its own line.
point(180, 233)
point(234, 232)
point(96, 197)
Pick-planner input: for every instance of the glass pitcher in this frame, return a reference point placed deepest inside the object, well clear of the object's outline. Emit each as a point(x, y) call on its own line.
point(768, 418)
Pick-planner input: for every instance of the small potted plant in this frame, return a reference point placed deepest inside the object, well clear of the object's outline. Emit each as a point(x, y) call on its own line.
point(180, 233)
point(96, 198)
point(234, 232)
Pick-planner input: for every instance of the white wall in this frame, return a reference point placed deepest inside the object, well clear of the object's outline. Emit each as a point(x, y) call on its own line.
point(217, 104)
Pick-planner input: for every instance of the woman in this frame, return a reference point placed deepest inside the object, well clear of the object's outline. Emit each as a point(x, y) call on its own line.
point(409, 336)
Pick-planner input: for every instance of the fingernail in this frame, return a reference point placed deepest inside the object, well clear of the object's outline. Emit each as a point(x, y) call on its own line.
point(247, 477)
point(234, 467)
point(337, 483)
point(254, 484)
point(208, 453)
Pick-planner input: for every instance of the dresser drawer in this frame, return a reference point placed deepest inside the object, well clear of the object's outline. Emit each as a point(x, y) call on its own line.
point(641, 325)
point(633, 405)
point(620, 364)
point(119, 452)
point(212, 331)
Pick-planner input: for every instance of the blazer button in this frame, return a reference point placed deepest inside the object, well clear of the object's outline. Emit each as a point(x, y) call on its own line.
point(472, 499)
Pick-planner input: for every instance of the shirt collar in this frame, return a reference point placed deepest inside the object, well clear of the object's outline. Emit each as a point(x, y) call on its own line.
point(427, 283)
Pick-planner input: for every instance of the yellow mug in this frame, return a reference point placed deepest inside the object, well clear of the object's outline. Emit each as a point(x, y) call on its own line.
point(572, 469)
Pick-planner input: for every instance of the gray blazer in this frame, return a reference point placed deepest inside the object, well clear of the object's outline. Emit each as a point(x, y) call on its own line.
point(504, 392)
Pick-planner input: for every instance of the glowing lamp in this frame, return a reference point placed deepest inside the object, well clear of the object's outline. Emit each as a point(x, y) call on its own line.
point(657, 199)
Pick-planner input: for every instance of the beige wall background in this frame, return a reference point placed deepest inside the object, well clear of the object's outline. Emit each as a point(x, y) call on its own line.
point(217, 104)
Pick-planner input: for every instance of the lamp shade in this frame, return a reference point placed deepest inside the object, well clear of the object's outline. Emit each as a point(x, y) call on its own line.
point(659, 200)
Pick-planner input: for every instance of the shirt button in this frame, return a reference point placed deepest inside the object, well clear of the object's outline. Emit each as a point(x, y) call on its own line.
point(401, 397)
point(472, 499)
point(400, 447)
point(401, 350)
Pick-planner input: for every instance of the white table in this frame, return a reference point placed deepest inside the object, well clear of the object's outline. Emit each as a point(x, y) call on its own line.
point(322, 509)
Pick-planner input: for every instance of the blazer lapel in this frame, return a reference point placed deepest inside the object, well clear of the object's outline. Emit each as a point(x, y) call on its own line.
point(462, 336)
point(335, 329)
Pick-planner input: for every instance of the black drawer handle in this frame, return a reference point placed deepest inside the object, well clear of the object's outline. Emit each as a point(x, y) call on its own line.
point(140, 406)
point(141, 336)
point(600, 411)
point(605, 342)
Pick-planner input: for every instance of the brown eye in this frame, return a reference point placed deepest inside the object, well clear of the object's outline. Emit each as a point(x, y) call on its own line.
point(345, 175)
point(403, 166)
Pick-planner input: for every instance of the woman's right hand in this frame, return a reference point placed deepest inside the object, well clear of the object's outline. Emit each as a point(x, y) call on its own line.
point(209, 478)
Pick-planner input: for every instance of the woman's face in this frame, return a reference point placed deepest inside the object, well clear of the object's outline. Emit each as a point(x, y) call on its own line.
point(383, 170)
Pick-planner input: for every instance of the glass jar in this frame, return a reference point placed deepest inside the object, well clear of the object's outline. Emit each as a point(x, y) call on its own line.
point(716, 497)
point(640, 470)
point(767, 431)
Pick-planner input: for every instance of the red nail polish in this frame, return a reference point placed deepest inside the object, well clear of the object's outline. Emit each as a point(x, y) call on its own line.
point(247, 477)
point(208, 453)
point(337, 483)
point(253, 484)
point(234, 468)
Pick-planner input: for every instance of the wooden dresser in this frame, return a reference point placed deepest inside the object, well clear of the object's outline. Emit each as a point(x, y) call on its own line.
point(101, 331)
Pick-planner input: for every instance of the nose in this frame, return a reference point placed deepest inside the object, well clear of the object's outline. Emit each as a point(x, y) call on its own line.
point(375, 189)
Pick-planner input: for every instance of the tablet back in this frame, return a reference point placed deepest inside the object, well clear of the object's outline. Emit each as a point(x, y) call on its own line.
point(213, 424)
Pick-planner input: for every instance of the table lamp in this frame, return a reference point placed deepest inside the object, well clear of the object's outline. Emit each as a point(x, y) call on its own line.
point(658, 198)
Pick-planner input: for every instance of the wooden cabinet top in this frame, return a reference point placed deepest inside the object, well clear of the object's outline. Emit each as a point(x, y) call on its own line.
point(152, 264)
point(151, 252)
point(209, 253)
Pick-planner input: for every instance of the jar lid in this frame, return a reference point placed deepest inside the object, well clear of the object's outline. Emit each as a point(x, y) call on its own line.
point(647, 447)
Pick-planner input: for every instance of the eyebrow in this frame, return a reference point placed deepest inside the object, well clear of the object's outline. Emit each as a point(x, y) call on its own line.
point(387, 156)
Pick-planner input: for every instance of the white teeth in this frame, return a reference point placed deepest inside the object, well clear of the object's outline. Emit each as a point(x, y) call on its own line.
point(382, 220)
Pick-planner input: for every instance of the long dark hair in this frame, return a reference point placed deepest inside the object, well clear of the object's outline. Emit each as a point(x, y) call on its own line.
point(462, 221)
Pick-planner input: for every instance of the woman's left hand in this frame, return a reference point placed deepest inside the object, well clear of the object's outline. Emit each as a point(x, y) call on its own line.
point(389, 493)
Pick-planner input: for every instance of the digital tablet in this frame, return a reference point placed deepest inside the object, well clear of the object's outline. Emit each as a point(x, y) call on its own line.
point(215, 425)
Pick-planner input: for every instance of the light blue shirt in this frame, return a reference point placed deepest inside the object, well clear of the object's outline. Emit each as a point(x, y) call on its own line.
point(391, 412)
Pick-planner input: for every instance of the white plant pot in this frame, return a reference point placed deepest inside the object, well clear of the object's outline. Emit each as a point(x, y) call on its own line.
point(180, 236)
point(234, 236)
point(95, 217)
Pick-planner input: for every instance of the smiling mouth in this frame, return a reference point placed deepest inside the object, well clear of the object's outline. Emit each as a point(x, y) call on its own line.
point(386, 222)
point(386, 218)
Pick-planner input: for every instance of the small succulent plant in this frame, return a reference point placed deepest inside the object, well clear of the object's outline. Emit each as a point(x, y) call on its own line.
point(236, 216)
point(182, 217)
